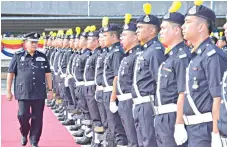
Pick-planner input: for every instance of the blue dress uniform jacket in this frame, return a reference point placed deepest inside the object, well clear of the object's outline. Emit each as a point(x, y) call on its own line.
point(225, 50)
point(125, 76)
point(112, 62)
point(70, 64)
point(90, 65)
point(100, 67)
point(206, 69)
point(80, 63)
point(149, 62)
point(65, 60)
point(29, 75)
point(172, 75)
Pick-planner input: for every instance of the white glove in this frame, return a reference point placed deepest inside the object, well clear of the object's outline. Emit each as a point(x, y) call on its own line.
point(62, 76)
point(66, 82)
point(216, 140)
point(180, 134)
point(113, 107)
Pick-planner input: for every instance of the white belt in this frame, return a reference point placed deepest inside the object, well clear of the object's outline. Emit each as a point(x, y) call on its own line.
point(224, 141)
point(141, 100)
point(124, 97)
point(198, 119)
point(89, 83)
point(98, 88)
point(168, 108)
point(108, 89)
point(80, 83)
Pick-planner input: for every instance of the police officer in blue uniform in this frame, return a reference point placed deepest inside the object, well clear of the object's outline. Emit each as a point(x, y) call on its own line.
point(111, 33)
point(145, 77)
point(222, 123)
point(125, 77)
point(56, 61)
point(171, 81)
point(30, 69)
point(222, 43)
point(89, 75)
point(99, 130)
point(78, 76)
point(66, 91)
point(203, 79)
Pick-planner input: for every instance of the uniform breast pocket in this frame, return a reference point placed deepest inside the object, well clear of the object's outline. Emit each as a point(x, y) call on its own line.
point(196, 78)
point(23, 65)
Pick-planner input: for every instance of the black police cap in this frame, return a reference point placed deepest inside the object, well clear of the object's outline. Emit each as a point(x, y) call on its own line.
point(33, 36)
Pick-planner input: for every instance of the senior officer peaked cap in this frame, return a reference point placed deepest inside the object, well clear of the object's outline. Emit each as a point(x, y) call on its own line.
point(33, 36)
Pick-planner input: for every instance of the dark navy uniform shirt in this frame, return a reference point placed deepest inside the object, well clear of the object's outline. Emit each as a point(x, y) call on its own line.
point(224, 48)
point(90, 65)
point(172, 75)
point(145, 74)
point(112, 63)
point(74, 62)
point(65, 60)
point(205, 73)
point(56, 60)
point(29, 75)
point(125, 74)
point(80, 64)
point(52, 56)
point(70, 63)
point(99, 67)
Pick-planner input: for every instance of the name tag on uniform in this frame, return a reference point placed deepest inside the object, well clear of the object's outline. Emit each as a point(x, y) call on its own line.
point(40, 59)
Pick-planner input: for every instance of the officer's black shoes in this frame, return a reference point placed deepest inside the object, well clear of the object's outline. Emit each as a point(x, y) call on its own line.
point(68, 122)
point(84, 141)
point(75, 127)
point(61, 118)
point(78, 133)
point(60, 114)
point(35, 145)
point(24, 140)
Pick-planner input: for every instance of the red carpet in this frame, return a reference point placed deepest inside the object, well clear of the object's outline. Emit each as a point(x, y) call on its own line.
point(54, 134)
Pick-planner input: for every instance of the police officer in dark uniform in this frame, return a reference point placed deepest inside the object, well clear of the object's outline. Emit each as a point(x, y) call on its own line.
point(98, 131)
point(51, 61)
point(112, 61)
point(125, 79)
point(66, 91)
point(56, 65)
point(89, 75)
point(78, 76)
point(171, 82)
point(49, 48)
point(222, 123)
point(145, 77)
point(30, 69)
point(222, 43)
point(203, 79)
point(69, 80)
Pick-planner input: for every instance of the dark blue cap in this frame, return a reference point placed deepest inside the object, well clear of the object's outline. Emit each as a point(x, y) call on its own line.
point(174, 17)
point(130, 27)
point(33, 36)
point(84, 34)
point(67, 36)
point(112, 27)
point(202, 11)
point(73, 36)
point(93, 34)
point(223, 38)
point(149, 19)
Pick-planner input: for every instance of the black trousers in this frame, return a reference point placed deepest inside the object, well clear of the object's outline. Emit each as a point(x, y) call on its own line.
point(31, 109)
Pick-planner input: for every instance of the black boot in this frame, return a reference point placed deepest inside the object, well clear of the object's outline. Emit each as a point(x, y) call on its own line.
point(24, 140)
point(75, 127)
point(68, 122)
point(78, 133)
point(84, 141)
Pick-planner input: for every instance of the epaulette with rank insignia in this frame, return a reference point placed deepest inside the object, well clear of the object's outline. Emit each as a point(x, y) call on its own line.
point(210, 53)
point(182, 53)
point(18, 52)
